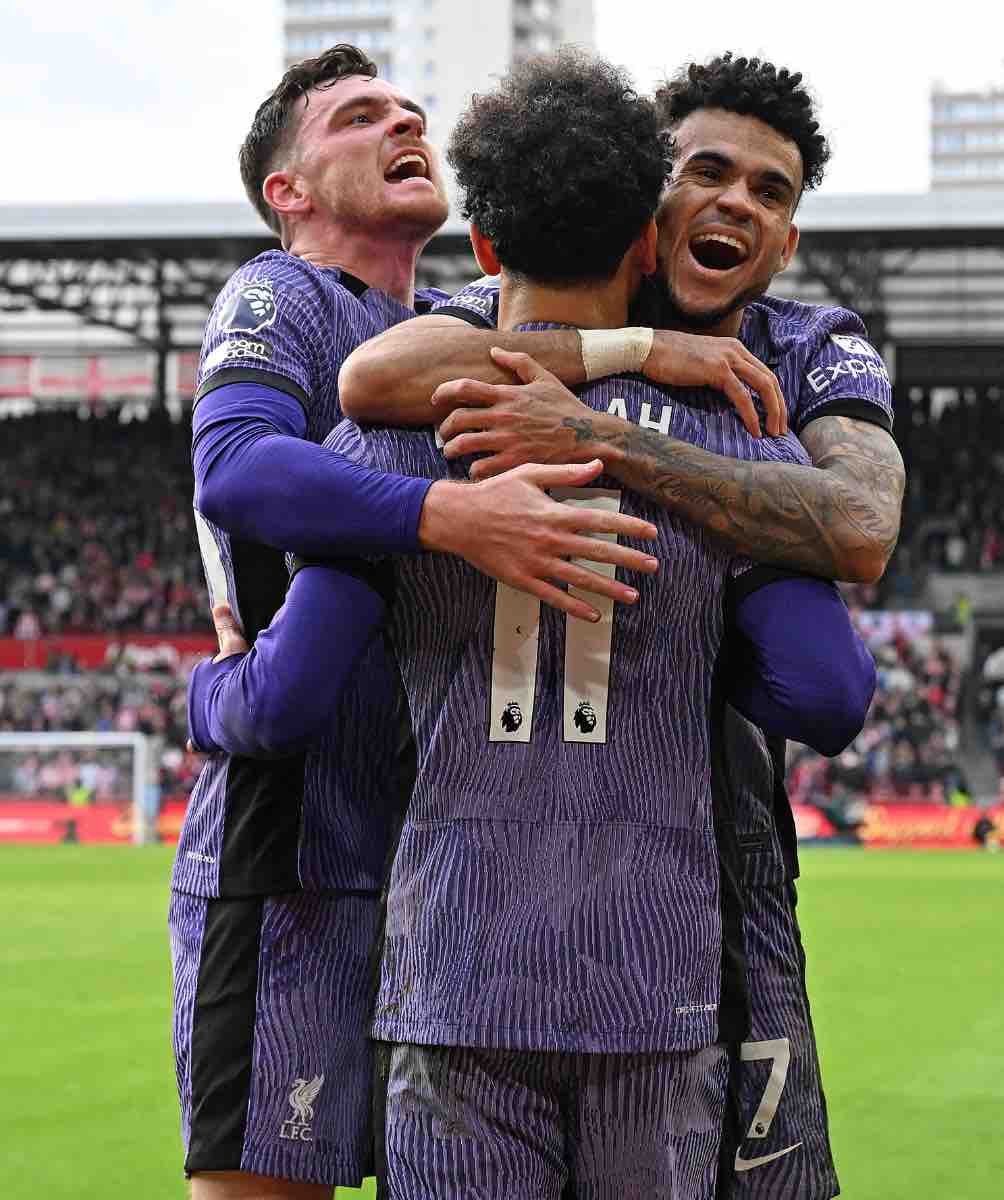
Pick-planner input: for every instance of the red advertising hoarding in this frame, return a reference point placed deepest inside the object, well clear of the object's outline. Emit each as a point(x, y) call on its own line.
point(143, 651)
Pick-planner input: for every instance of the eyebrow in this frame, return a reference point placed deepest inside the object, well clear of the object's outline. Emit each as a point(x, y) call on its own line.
point(378, 100)
point(723, 160)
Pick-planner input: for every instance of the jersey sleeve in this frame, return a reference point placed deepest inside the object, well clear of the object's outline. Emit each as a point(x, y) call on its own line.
point(477, 303)
point(274, 324)
point(844, 375)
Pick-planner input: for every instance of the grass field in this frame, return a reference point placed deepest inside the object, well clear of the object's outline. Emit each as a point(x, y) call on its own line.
point(905, 959)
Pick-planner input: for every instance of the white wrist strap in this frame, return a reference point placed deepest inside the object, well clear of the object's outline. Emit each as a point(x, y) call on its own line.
point(614, 351)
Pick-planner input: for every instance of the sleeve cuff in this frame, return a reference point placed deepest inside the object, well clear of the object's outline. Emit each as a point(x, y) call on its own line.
point(465, 314)
point(411, 513)
point(204, 675)
point(858, 410)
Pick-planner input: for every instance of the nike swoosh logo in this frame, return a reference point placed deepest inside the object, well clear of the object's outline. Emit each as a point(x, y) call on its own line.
point(747, 1164)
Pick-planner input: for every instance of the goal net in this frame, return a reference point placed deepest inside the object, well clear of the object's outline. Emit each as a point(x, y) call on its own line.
point(68, 787)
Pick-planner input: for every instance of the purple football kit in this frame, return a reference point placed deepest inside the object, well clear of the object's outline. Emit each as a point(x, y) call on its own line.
point(281, 860)
point(777, 1146)
point(567, 879)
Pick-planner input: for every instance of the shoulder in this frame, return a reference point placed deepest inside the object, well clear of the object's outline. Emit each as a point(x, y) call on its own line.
point(476, 303)
point(790, 325)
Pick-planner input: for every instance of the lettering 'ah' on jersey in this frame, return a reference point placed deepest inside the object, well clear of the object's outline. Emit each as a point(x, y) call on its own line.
point(557, 883)
point(318, 820)
point(820, 354)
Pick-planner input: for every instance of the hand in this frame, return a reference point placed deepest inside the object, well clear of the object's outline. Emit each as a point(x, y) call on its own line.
point(228, 633)
point(510, 529)
point(537, 420)
point(698, 360)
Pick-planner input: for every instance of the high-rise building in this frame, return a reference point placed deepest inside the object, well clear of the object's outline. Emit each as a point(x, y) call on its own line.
point(438, 51)
point(967, 138)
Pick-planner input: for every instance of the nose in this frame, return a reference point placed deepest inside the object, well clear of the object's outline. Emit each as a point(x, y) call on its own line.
point(736, 200)
point(408, 123)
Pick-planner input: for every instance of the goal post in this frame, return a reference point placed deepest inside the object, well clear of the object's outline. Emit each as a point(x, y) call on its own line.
point(83, 771)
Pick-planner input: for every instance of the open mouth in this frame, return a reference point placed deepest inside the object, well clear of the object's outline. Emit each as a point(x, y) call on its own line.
point(409, 166)
point(718, 251)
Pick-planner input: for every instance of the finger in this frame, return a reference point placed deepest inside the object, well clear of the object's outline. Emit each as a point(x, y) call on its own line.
point(474, 443)
point(492, 465)
point(462, 420)
point(524, 367)
point(742, 402)
point(593, 582)
point(600, 550)
point(592, 520)
point(228, 633)
point(458, 393)
point(556, 598)
point(566, 475)
point(764, 382)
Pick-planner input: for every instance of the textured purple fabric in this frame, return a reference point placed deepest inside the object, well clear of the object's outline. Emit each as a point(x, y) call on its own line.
point(283, 693)
point(806, 675)
point(820, 353)
point(464, 1122)
point(312, 1005)
point(552, 894)
point(282, 328)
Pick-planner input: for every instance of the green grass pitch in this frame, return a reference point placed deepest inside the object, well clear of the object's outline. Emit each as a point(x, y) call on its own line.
point(905, 972)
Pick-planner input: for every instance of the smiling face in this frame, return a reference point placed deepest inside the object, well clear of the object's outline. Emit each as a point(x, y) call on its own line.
point(725, 222)
point(360, 157)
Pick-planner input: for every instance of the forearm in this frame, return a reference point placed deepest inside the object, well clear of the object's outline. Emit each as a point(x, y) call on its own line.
point(390, 379)
point(807, 518)
point(281, 694)
point(262, 483)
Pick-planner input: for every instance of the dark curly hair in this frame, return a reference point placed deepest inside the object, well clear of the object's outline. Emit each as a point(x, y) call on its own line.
point(269, 136)
point(560, 167)
point(753, 89)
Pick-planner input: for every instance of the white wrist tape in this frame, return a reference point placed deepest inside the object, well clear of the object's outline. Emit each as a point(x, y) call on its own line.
point(614, 351)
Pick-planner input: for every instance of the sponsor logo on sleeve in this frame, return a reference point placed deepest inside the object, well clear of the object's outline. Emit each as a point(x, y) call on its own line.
point(821, 379)
point(250, 309)
point(854, 345)
point(238, 350)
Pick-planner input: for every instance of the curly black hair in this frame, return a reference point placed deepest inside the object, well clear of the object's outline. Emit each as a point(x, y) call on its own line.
point(272, 124)
point(560, 167)
point(751, 88)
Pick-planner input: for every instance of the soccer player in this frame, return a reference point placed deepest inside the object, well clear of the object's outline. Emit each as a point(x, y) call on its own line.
point(581, 775)
point(747, 144)
point(280, 862)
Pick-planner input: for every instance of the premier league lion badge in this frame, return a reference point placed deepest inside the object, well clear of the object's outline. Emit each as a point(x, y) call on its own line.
point(250, 308)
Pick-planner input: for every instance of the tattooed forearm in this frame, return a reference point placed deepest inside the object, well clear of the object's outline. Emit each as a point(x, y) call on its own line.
point(838, 519)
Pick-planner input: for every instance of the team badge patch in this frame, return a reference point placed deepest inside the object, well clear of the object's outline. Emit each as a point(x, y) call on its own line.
point(250, 308)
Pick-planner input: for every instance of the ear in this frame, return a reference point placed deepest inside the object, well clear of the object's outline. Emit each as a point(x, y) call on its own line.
point(790, 246)
point(285, 195)
point(647, 245)
point(484, 252)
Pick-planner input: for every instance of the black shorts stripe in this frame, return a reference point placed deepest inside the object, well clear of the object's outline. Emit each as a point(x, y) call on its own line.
point(223, 1024)
point(732, 1131)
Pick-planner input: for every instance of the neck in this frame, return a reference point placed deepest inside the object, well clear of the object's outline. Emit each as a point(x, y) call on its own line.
point(383, 262)
point(586, 306)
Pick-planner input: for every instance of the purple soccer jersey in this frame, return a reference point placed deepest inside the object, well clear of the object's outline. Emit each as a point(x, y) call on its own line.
point(318, 820)
point(556, 885)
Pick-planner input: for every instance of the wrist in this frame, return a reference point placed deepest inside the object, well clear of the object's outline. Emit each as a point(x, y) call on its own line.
point(614, 351)
point(440, 513)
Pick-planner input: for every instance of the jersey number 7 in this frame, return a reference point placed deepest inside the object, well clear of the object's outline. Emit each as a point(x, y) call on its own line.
point(587, 651)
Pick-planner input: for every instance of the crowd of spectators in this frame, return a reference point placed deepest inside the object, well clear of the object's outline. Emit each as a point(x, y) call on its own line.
point(96, 527)
point(910, 747)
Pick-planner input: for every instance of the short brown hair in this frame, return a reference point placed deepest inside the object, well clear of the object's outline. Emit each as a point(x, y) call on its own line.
point(272, 122)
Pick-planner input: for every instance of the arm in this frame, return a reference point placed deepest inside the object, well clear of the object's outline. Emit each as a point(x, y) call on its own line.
point(391, 378)
point(801, 670)
point(838, 519)
point(256, 476)
point(281, 694)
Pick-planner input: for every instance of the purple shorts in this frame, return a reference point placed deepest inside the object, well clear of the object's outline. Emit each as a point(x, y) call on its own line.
point(272, 996)
point(778, 1147)
point(472, 1124)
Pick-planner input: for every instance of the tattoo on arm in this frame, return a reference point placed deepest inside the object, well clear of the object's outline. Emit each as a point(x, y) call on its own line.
point(838, 519)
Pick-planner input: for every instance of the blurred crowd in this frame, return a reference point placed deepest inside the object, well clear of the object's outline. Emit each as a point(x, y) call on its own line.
point(96, 529)
point(910, 747)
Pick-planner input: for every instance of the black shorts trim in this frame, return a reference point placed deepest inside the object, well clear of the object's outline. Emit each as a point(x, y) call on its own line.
point(223, 1024)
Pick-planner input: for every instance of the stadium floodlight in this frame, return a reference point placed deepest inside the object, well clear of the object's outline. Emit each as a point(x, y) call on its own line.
point(83, 768)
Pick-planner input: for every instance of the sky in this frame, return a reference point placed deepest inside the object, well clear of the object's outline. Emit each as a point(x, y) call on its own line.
point(108, 101)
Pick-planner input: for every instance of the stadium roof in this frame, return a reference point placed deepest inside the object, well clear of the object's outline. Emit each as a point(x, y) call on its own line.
point(960, 218)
